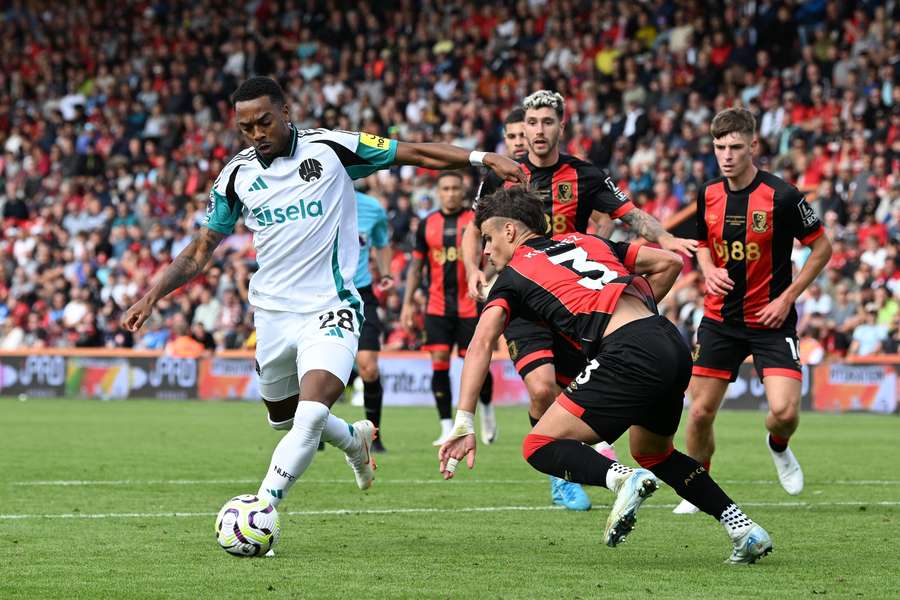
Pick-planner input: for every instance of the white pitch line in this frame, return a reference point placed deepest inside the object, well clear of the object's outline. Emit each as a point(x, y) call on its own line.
point(400, 511)
point(436, 480)
point(116, 482)
point(302, 513)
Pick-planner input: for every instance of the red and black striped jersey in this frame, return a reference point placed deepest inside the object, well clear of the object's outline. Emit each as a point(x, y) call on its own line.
point(572, 189)
point(571, 283)
point(751, 233)
point(438, 243)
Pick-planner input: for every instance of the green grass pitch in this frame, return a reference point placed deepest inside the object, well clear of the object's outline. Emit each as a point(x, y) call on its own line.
point(117, 500)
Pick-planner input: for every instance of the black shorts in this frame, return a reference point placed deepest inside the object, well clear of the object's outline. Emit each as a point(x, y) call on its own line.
point(721, 348)
point(370, 334)
point(532, 344)
point(441, 333)
point(638, 378)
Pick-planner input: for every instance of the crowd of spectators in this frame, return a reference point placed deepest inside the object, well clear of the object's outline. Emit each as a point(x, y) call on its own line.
point(115, 119)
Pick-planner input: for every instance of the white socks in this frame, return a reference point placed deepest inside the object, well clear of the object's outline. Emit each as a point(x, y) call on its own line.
point(735, 522)
point(616, 473)
point(338, 433)
point(295, 451)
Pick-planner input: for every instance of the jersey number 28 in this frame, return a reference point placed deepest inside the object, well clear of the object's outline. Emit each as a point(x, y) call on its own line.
point(342, 318)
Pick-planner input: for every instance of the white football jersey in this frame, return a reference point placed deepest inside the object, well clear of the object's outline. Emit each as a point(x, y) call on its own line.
point(301, 208)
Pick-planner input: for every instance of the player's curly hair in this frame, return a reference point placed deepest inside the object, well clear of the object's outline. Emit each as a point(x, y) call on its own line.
point(513, 203)
point(257, 87)
point(546, 98)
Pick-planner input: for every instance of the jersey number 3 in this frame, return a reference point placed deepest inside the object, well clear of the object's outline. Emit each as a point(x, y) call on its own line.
point(596, 275)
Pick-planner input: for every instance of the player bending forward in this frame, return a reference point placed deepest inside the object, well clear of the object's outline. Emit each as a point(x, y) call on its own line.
point(294, 190)
point(592, 291)
point(573, 192)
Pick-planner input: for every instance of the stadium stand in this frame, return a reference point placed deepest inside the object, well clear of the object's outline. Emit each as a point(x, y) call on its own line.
point(114, 117)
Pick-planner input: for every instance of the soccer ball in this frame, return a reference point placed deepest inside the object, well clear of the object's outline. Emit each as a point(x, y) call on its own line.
point(247, 526)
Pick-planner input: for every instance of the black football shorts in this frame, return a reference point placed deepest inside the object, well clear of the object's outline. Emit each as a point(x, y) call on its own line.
point(722, 347)
point(638, 378)
point(533, 344)
point(441, 333)
point(370, 334)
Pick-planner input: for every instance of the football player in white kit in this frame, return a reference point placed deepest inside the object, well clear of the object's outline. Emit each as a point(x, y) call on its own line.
point(294, 189)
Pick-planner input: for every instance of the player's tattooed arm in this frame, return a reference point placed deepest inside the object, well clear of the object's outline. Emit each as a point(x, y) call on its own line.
point(187, 265)
point(644, 224)
point(652, 230)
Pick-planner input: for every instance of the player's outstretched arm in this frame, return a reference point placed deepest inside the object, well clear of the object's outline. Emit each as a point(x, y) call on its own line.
point(187, 265)
point(660, 267)
point(775, 312)
point(448, 156)
point(461, 443)
point(652, 230)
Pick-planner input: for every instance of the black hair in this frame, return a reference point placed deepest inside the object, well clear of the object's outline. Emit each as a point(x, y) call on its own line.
point(256, 87)
point(516, 115)
point(443, 174)
point(513, 203)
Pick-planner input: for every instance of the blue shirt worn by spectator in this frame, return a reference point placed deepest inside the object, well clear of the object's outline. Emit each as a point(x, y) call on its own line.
point(869, 337)
point(373, 232)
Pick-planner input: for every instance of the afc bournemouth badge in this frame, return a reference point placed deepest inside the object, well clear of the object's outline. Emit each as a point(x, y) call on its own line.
point(564, 192)
point(513, 350)
point(760, 221)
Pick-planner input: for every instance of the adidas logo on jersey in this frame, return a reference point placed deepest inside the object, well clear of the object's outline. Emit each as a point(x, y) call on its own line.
point(334, 332)
point(266, 217)
point(259, 184)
